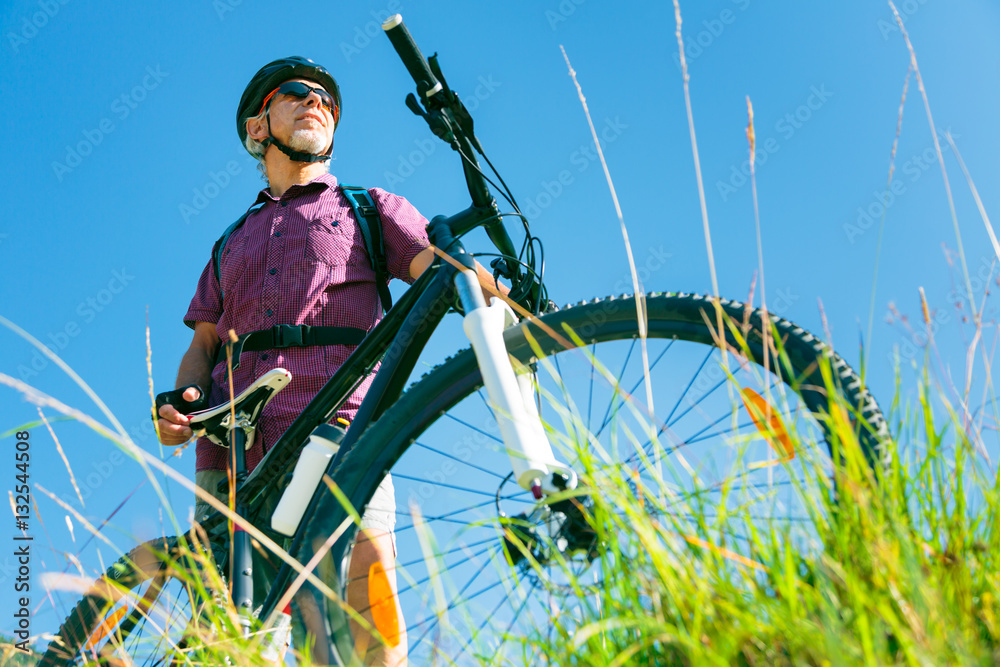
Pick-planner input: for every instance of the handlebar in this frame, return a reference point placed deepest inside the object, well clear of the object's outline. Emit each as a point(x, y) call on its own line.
point(450, 120)
point(416, 64)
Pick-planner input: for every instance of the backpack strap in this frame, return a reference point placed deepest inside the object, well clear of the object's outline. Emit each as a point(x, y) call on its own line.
point(220, 245)
point(370, 224)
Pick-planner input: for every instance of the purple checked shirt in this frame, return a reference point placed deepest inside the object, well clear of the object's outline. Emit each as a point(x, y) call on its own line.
point(300, 259)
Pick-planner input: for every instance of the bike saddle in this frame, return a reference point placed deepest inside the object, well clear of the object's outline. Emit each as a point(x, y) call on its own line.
point(216, 422)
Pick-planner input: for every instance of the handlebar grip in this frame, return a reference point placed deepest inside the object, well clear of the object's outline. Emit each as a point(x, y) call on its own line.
point(176, 399)
point(416, 64)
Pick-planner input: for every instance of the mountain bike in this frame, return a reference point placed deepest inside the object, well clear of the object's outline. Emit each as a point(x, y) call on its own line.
point(500, 455)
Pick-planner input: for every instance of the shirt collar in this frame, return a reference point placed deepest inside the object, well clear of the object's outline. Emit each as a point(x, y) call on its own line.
point(322, 181)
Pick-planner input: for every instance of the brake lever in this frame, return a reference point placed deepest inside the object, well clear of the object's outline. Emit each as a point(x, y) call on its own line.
point(439, 122)
point(414, 106)
point(449, 95)
point(454, 104)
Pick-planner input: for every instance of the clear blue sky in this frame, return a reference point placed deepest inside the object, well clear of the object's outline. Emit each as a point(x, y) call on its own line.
point(124, 166)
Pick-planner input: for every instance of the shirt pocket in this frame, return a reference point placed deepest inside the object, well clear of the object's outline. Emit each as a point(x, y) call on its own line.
point(329, 241)
point(233, 262)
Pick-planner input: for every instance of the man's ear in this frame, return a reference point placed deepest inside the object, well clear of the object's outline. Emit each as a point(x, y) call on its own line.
point(257, 128)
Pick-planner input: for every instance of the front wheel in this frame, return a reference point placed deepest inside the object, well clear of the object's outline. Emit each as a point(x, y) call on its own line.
point(481, 562)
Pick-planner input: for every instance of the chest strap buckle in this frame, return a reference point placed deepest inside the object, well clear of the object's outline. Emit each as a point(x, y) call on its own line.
point(289, 335)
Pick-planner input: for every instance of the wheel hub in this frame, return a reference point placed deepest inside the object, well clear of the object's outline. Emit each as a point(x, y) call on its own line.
point(550, 532)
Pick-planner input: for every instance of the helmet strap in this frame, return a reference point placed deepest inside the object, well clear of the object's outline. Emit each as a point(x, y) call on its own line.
point(297, 156)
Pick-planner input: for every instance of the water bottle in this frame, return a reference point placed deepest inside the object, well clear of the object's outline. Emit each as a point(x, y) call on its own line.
point(316, 455)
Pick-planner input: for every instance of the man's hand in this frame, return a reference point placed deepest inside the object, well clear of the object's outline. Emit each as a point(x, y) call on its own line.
point(195, 372)
point(172, 424)
point(491, 288)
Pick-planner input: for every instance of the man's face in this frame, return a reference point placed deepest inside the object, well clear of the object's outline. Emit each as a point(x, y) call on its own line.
point(304, 124)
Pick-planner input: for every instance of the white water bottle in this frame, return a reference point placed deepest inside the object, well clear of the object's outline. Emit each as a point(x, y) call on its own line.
point(316, 455)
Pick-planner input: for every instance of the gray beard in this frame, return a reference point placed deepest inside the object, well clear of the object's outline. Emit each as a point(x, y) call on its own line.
point(308, 141)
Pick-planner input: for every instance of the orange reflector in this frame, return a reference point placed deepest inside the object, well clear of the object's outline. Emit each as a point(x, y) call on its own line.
point(383, 603)
point(107, 625)
point(767, 421)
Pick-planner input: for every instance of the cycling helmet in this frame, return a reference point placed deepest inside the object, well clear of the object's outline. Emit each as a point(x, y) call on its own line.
point(269, 77)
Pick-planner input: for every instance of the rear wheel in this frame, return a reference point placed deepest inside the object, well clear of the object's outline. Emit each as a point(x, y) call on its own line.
point(143, 611)
point(480, 560)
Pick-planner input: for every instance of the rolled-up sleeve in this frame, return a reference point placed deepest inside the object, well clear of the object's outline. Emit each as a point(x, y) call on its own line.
point(206, 306)
point(404, 231)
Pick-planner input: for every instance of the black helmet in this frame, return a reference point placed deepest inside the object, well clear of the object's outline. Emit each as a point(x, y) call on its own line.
point(269, 77)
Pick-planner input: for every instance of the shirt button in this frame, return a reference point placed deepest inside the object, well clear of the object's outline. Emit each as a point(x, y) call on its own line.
point(269, 312)
point(273, 271)
point(283, 204)
point(277, 233)
point(263, 357)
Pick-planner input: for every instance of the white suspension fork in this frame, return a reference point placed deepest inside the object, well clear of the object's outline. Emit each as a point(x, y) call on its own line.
point(512, 396)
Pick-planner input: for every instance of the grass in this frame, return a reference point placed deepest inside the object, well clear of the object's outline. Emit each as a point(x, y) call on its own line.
point(898, 566)
point(907, 574)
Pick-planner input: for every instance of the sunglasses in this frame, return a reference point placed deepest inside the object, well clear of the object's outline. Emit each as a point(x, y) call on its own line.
point(301, 91)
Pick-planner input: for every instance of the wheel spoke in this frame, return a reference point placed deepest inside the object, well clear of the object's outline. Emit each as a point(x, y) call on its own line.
point(463, 547)
point(490, 616)
point(138, 616)
point(429, 519)
point(465, 600)
point(638, 382)
point(688, 387)
point(698, 402)
point(455, 458)
point(475, 492)
point(477, 430)
point(616, 393)
point(421, 582)
point(590, 393)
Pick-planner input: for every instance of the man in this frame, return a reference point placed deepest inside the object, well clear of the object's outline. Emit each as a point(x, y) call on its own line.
point(298, 260)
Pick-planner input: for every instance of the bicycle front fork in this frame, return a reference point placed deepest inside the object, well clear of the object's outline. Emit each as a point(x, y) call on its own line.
point(511, 395)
